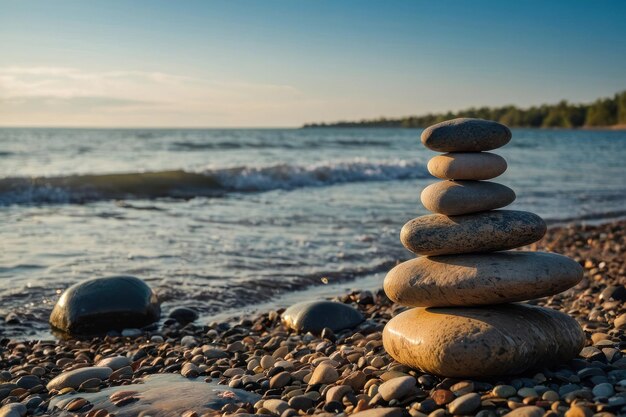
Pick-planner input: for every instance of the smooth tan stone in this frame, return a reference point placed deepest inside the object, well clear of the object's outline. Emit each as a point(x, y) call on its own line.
point(482, 342)
point(453, 198)
point(76, 377)
point(467, 166)
point(437, 234)
point(480, 278)
point(466, 135)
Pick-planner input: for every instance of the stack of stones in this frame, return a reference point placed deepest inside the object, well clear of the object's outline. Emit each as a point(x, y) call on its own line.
point(463, 324)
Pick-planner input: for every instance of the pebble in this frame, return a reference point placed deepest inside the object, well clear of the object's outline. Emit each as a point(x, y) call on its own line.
point(132, 333)
point(324, 374)
point(603, 390)
point(183, 315)
point(190, 370)
point(454, 198)
point(337, 393)
point(465, 404)
point(467, 166)
point(73, 379)
point(380, 412)
point(462, 388)
point(527, 392)
point(528, 411)
point(13, 410)
point(437, 234)
point(276, 407)
point(300, 402)
point(397, 388)
point(578, 411)
point(466, 135)
point(280, 380)
point(314, 316)
point(504, 391)
point(115, 362)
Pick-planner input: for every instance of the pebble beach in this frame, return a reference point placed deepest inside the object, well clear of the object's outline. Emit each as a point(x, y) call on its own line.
point(257, 366)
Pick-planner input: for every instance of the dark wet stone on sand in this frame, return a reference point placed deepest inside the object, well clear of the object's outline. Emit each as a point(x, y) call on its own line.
point(314, 316)
point(183, 315)
point(103, 304)
point(437, 234)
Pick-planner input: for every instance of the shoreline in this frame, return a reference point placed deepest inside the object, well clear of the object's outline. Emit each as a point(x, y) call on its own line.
point(231, 354)
point(340, 284)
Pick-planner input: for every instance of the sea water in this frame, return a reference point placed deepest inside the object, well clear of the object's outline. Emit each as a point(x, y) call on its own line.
point(225, 220)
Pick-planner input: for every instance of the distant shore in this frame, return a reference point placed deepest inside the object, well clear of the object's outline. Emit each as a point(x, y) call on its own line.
point(605, 113)
point(347, 125)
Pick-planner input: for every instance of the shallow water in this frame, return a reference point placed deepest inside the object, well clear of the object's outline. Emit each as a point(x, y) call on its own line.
point(233, 218)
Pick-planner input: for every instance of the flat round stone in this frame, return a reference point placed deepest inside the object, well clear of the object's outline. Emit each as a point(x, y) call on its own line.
point(75, 378)
point(314, 316)
point(482, 342)
point(480, 278)
point(453, 198)
point(437, 234)
point(467, 166)
point(102, 304)
point(466, 135)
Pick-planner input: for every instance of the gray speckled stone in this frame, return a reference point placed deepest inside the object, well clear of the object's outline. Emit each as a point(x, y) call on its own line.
point(488, 341)
point(467, 166)
point(480, 278)
point(437, 234)
point(453, 198)
point(466, 135)
point(313, 316)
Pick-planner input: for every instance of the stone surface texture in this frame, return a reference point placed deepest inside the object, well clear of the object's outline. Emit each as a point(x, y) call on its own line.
point(75, 378)
point(437, 234)
point(467, 166)
point(454, 198)
point(478, 279)
point(466, 135)
point(466, 342)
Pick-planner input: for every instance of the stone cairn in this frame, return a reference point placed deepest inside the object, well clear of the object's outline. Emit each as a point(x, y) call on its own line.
point(464, 323)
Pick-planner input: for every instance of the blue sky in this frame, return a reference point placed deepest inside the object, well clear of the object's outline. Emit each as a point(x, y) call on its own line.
point(283, 63)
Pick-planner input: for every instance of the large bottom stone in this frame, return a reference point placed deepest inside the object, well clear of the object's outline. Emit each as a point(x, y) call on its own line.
point(481, 342)
point(480, 278)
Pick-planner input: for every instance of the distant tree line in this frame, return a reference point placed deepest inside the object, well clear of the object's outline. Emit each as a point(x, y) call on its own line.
point(601, 113)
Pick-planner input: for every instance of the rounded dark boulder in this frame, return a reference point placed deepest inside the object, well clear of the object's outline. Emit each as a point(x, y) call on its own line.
point(314, 316)
point(102, 304)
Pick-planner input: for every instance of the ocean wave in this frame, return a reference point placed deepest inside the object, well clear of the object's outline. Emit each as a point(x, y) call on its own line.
point(209, 183)
point(306, 144)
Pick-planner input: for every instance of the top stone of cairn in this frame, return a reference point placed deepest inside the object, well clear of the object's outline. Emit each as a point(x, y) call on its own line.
point(466, 135)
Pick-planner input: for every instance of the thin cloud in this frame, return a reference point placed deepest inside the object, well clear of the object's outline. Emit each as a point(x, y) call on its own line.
point(31, 94)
